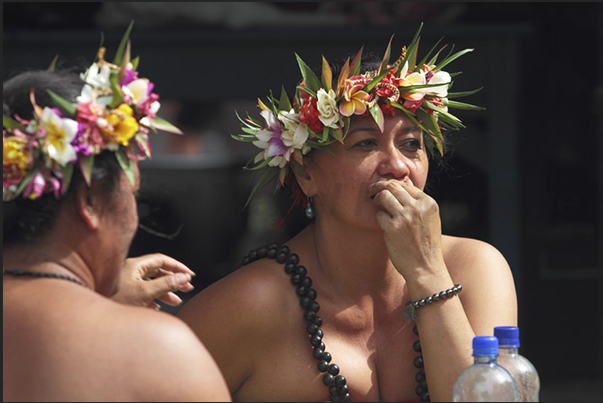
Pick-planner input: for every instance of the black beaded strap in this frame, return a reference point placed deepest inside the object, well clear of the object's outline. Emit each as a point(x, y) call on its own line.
point(336, 383)
point(18, 273)
point(411, 307)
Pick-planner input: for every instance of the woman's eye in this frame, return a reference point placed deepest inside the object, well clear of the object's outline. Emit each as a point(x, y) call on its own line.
point(412, 145)
point(365, 143)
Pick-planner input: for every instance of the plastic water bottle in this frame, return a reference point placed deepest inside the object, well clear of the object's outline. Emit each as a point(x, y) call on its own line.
point(522, 370)
point(485, 380)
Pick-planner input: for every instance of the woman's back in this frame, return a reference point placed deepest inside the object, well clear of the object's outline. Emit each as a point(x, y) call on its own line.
point(63, 342)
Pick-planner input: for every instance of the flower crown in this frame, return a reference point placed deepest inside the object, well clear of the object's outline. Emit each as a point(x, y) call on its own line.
point(115, 111)
point(321, 108)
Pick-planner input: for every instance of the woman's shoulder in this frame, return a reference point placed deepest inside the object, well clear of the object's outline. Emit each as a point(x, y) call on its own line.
point(469, 255)
point(255, 289)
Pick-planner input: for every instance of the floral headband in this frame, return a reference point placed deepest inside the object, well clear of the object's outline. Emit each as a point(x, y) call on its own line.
point(115, 111)
point(321, 108)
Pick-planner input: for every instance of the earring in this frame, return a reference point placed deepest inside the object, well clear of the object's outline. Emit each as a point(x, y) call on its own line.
point(310, 213)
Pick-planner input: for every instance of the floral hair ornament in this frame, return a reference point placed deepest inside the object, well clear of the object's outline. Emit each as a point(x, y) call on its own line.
point(321, 109)
point(116, 110)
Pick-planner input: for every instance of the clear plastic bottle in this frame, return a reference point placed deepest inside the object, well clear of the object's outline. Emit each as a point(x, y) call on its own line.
point(522, 370)
point(485, 380)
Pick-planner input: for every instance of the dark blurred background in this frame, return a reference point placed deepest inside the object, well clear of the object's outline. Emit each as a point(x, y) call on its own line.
point(526, 175)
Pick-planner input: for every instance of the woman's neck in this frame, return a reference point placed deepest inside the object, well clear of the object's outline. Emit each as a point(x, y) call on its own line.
point(353, 262)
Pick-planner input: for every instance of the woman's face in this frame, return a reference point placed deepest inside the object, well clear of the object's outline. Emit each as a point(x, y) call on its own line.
point(339, 183)
point(120, 218)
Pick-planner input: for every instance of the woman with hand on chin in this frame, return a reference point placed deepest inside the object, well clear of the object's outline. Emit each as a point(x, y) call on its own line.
point(365, 302)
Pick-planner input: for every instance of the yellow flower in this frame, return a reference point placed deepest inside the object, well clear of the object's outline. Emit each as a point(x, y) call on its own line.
point(14, 153)
point(354, 101)
point(121, 125)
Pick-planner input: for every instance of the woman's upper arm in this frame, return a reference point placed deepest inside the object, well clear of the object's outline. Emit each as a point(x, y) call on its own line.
point(488, 297)
point(231, 317)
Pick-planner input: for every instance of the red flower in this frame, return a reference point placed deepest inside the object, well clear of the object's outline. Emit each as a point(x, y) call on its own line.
point(389, 109)
point(412, 106)
point(309, 115)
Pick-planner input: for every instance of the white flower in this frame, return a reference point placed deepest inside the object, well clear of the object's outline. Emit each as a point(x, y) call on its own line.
point(295, 133)
point(327, 106)
point(154, 107)
point(59, 135)
point(97, 76)
point(137, 90)
point(441, 91)
point(87, 95)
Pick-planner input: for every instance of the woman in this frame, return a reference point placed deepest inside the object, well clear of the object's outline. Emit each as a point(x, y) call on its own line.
point(341, 328)
point(70, 177)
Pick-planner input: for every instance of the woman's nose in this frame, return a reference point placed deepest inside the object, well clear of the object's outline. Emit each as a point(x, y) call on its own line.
point(393, 164)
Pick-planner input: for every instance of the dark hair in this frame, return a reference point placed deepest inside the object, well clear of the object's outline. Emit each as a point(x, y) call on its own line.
point(25, 220)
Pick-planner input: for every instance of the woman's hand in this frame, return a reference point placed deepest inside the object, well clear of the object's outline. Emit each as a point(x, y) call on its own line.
point(153, 277)
point(410, 220)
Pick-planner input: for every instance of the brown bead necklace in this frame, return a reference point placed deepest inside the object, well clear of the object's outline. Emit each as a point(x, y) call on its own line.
point(333, 380)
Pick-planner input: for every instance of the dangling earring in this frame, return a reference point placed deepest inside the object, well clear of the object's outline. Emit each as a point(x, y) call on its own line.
point(310, 213)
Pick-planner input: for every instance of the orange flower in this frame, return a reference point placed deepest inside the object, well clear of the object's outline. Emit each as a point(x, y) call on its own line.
point(354, 100)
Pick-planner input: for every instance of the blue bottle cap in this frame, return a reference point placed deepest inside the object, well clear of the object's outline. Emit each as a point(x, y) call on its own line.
point(507, 336)
point(485, 346)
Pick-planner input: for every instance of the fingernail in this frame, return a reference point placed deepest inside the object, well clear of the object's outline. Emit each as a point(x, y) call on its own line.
point(182, 278)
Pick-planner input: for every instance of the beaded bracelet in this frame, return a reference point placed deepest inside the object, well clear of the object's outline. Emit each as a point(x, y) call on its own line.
point(411, 307)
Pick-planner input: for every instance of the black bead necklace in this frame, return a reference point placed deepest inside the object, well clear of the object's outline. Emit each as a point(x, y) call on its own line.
point(335, 382)
point(19, 273)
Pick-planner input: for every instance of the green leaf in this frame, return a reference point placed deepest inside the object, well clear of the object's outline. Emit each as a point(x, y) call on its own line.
point(27, 179)
point(433, 129)
point(377, 114)
point(284, 102)
point(64, 106)
point(162, 124)
point(124, 62)
point(264, 180)
point(386, 56)
point(409, 115)
point(135, 62)
point(142, 141)
point(67, 170)
point(452, 58)
point(126, 165)
point(355, 65)
point(52, 64)
point(10, 124)
point(424, 60)
point(319, 146)
point(343, 75)
point(244, 137)
point(118, 96)
point(260, 165)
point(249, 130)
point(325, 133)
point(452, 95)
point(462, 105)
point(122, 45)
point(442, 113)
point(298, 168)
point(411, 51)
point(283, 174)
point(327, 75)
point(307, 90)
point(310, 79)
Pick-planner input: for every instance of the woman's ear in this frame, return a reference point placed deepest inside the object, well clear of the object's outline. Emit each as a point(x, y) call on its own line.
point(87, 206)
point(305, 179)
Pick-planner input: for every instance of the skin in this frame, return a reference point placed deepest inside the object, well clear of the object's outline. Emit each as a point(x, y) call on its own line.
point(376, 243)
point(65, 342)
